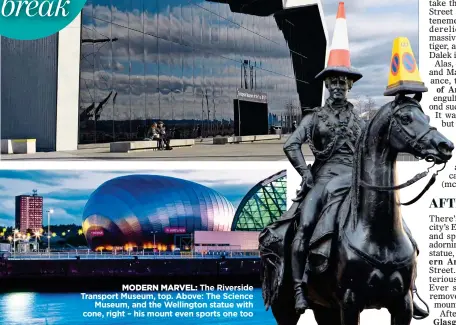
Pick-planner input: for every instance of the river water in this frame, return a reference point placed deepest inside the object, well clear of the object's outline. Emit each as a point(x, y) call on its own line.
point(68, 308)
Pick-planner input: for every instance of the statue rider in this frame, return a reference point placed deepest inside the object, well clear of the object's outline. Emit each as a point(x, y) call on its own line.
point(331, 132)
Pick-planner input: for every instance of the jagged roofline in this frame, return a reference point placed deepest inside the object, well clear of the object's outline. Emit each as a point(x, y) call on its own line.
point(252, 192)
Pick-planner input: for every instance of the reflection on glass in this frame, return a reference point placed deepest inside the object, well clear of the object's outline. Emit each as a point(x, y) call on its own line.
point(181, 62)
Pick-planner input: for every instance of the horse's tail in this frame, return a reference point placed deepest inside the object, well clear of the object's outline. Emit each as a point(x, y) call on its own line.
point(274, 248)
point(276, 283)
point(284, 310)
point(278, 293)
point(270, 267)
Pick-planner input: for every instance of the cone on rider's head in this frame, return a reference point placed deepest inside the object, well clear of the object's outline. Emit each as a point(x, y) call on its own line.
point(339, 56)
point(404, 76)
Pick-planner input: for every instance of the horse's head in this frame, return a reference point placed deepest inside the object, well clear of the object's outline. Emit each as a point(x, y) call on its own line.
point(411, 132)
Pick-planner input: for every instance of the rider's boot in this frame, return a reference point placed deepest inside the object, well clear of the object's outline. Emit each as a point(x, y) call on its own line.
point(298, 259)
point(418, 312)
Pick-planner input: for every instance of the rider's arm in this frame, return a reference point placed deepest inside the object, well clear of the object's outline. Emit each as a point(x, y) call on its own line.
point(363, 124)
point(292, 147)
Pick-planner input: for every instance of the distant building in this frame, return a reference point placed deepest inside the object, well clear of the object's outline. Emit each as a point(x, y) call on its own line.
point(205, 67)
point(29, 212)
point(263, 204)
point(226, 241)
point(151, 211)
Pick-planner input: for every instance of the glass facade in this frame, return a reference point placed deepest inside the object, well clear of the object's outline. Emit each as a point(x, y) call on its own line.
point(264, 203)
point(179, 61)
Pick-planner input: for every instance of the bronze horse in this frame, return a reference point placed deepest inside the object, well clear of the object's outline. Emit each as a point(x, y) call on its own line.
point(369, 261)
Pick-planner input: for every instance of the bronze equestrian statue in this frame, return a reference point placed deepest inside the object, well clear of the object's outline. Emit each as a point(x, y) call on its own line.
point(360, 255)
point(337, 226)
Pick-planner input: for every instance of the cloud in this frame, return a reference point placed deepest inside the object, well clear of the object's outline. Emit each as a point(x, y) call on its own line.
point(5, 220)
point(74, 194)
point(234, 193)
point(48, 178)
point(372, 27)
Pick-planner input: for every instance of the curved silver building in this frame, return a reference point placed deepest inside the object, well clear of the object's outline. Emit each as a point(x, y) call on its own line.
point(134, 209)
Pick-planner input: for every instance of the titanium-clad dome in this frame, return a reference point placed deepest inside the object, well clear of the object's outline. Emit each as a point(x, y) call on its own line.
point(129, 209)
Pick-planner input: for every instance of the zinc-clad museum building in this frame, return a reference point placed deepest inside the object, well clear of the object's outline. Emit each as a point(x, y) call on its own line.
point(205, 68)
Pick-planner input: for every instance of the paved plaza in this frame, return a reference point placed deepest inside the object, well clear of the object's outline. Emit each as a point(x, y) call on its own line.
point(202, 151)
point(265, 150)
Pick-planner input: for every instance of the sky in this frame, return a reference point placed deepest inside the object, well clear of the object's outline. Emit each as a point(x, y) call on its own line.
point(66, 192)
point(372, 27)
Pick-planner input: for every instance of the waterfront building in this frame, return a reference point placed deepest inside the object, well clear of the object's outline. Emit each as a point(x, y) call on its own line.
point(233, 241)
point(29, 212)
point(152, 211)
point(205, 68)
point(263, 204)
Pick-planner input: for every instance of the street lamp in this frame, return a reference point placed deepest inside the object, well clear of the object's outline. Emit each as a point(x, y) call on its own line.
point(14, 240)
point(155, 247)
point(37, 234)
point(49, 212)
point(10, 239)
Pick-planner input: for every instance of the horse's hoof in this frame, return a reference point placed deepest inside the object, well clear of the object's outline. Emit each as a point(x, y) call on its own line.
point(300, 311)
point(301, 306)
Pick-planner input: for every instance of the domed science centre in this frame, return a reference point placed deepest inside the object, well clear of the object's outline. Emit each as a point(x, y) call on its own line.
point(152, 212)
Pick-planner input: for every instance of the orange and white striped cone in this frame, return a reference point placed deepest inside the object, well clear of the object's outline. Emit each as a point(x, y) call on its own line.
point(339, 63)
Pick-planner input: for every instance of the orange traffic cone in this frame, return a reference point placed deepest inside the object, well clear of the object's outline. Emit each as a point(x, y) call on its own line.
point(339, 56)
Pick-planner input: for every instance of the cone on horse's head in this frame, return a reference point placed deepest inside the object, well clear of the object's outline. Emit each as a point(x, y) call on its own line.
point(339, 63)
point(404, 76)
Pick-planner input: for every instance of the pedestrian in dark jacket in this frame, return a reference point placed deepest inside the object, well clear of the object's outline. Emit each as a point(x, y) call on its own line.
point(163, 135)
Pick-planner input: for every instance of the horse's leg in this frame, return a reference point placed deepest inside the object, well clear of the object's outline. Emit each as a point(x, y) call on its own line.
point(326, 316)
point(350, 309)
point(401, 310)
point(285, 313)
